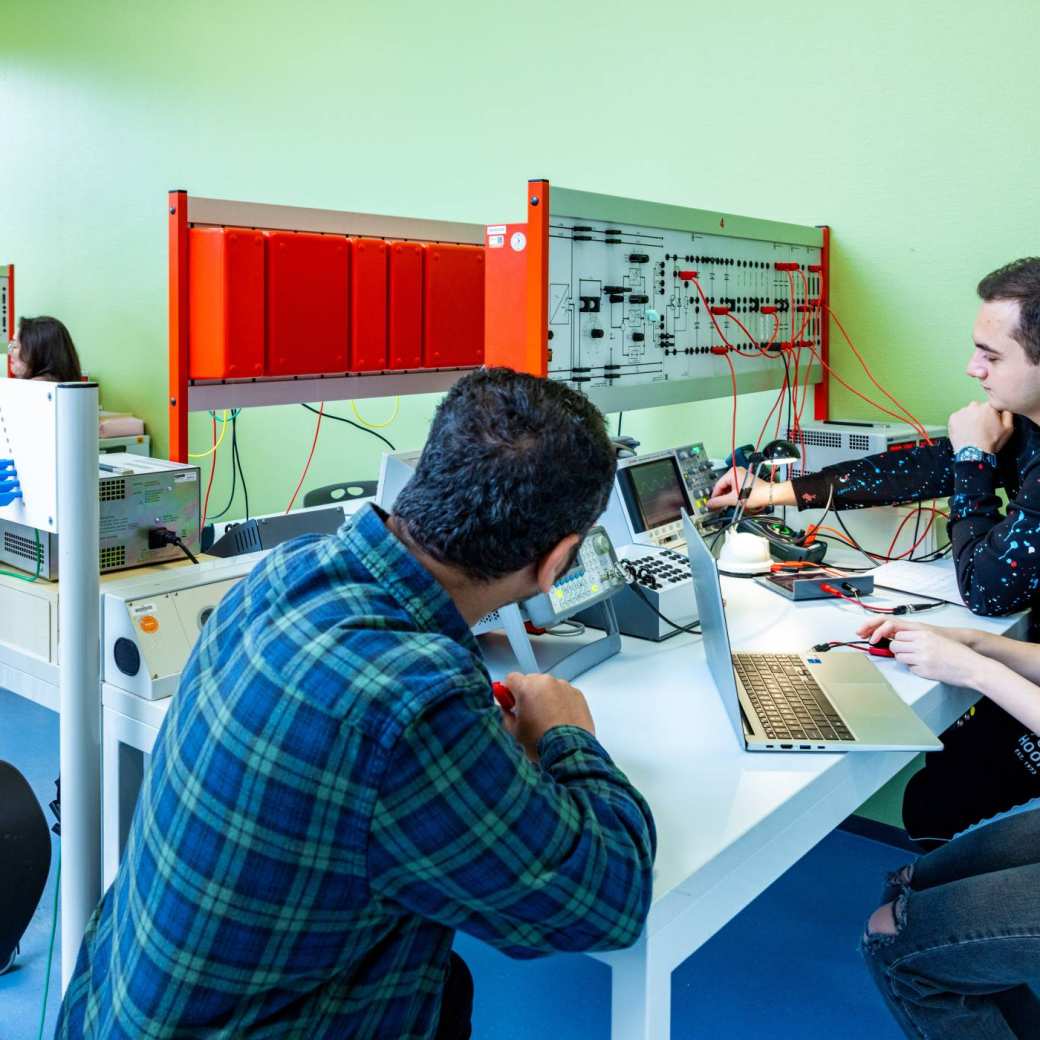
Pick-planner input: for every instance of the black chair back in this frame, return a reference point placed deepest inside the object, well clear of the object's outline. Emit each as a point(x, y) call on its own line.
point(330, 494)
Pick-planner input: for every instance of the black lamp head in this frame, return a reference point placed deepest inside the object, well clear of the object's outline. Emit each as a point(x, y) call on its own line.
point(781, 453)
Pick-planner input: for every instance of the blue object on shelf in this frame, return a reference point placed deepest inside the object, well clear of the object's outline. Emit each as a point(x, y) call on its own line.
point(10, 488)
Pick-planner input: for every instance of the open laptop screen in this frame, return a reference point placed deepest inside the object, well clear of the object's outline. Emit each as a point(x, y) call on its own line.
point(713, 623)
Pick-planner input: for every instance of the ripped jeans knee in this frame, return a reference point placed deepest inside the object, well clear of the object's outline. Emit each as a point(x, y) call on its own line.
point(885, 923)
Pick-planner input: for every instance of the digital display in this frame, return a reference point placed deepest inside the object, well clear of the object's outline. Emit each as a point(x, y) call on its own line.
point(658, 491)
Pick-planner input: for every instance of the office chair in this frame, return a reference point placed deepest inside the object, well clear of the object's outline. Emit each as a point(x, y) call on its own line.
point(25, 859)
point(331, 494)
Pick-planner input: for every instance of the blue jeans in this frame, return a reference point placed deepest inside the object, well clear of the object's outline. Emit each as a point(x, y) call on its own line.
point(964, 963)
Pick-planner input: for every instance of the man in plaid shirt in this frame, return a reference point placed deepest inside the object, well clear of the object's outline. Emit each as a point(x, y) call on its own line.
point(334, 791)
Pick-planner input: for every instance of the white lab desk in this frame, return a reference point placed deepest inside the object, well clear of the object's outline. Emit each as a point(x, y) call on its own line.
point(728, 822)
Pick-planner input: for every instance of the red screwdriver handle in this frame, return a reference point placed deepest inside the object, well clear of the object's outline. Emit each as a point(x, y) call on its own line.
point(504, 696)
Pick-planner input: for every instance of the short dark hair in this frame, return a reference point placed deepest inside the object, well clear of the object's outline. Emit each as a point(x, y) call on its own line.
point(1019, 280)
point(513, 464)
point(47, 351)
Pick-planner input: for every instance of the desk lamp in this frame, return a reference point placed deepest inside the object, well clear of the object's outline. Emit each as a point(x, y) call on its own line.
point(743, 552)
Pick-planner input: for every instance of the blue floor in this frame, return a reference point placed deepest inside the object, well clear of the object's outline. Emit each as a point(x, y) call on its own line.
point(786, 968)
point(29, 741)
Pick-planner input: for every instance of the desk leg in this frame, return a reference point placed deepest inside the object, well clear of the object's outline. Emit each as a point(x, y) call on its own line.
point(110, 837)
point(640, 995)
point(125, 746)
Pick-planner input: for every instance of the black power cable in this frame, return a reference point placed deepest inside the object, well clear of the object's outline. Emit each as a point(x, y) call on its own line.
point(636, 576)
point(350, 422)
point(694, 628)
point(237, 459)
point(234, 474)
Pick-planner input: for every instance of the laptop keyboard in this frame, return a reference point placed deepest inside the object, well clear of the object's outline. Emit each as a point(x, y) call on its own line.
point(787, 699)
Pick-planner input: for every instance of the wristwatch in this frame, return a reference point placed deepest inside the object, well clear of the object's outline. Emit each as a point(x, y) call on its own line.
point(972, 454)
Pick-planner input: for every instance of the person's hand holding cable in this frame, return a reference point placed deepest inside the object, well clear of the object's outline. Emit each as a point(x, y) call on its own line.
point(757, 491)
point(877, 628)
point(931, 654)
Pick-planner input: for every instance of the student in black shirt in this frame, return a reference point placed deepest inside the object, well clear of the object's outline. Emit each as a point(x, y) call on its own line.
point(990, 446)
point(985, 768)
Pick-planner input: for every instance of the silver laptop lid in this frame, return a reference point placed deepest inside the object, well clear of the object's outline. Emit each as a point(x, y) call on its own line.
point(717, 648)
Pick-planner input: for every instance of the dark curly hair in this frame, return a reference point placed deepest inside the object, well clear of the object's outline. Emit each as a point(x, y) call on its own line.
point(513, 464)
point(46, 349)
point(1019, 280)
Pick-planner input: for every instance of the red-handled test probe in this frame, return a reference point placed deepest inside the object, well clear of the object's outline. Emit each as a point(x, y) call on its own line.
point(504, 696)
point(878, 649)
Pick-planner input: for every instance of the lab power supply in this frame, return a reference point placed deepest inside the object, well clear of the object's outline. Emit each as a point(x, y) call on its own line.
point(136, 497)
point(828, 441)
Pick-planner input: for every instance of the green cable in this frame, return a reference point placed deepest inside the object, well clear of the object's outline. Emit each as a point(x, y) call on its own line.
point(50, 949)
point(39, 562)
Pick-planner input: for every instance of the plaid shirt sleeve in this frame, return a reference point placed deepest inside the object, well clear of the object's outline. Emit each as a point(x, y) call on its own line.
point(468, 832)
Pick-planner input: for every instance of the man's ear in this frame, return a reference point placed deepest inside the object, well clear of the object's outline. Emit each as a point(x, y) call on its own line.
point(556, 561)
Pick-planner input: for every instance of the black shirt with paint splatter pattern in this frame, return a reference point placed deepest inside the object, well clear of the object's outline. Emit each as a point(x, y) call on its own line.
point(997, 553)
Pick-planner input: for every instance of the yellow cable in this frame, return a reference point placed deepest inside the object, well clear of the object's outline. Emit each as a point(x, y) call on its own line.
point(376, 426)
point(223, 430)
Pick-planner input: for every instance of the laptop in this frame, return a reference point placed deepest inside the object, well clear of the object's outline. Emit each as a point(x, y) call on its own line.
point(837, 701)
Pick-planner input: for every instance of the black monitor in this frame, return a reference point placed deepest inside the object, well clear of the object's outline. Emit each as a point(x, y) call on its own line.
point(657, 491)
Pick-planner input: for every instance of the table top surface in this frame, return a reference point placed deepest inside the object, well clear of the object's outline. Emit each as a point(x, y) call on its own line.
point(660, 716)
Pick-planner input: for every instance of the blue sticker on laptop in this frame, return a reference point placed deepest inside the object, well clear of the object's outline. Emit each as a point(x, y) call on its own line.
point(813, 660)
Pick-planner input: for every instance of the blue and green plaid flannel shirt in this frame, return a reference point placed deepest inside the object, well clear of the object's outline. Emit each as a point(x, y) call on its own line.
point(331, 795)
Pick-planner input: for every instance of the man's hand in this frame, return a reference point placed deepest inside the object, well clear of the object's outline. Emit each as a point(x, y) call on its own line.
point(980, 426)
point(928, 653)
point(542, 703)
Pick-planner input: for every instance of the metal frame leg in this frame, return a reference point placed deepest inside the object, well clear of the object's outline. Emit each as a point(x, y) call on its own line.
point(640, 994)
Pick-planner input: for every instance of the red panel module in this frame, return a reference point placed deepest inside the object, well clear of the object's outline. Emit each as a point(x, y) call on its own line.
point(406, 304)
point(453, 301)
point(226, 303)
point(368, 305)
point(307, 285)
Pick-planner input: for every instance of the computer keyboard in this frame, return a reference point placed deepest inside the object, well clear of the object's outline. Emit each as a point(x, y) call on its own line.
point(787, 699)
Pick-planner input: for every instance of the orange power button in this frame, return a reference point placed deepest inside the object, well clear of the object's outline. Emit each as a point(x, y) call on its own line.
point(149, 623)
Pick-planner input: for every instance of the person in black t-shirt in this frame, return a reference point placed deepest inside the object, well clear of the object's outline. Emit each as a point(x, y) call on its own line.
point(953, 946)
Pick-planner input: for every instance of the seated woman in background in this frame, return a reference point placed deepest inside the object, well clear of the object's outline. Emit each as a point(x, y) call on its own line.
point(955, 947)
point(43, 349)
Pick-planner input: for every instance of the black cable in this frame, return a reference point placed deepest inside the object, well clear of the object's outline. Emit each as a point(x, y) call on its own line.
point(936, 554)
point(620, 416)
point(187, 552)
point(237, 459)
point(898, 610)
point(694, 629)
point(917, 529)
point(231, 497)
point(350, 422)
point(873, 557)
point(935, 599)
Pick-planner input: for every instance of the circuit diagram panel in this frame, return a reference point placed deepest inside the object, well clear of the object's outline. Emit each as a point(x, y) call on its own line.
point(633, 304)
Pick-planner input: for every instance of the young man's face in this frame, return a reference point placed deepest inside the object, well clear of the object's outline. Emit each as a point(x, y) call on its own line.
point(999, 363)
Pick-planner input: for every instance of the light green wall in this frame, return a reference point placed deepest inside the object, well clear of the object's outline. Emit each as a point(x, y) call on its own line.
point(911, 128)
point(907, 128)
